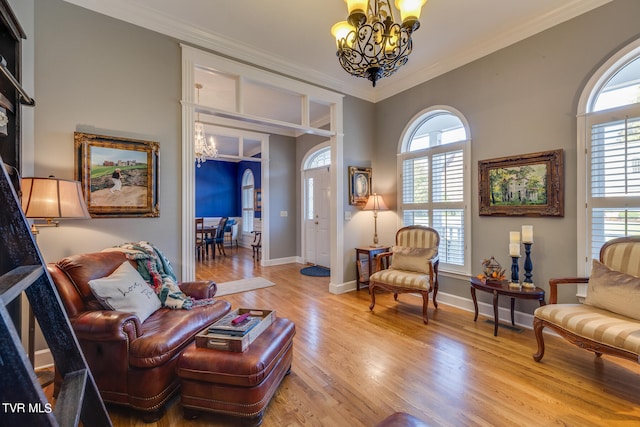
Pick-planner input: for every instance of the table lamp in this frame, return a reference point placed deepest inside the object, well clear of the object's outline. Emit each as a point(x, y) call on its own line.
point(375, 203)
point(50, 199)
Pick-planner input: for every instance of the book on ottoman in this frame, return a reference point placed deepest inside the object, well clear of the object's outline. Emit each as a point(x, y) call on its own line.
point(225, 335)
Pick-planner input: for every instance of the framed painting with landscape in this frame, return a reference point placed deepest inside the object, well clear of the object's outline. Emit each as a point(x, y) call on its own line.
point(524, 185)
point(119, 176)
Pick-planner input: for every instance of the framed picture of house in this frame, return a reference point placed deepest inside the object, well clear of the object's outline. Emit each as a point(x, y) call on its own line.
point(359, 185)
point(524, 185)
point(119, 176)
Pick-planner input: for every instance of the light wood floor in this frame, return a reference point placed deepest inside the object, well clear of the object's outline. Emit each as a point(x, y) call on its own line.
point(352, 367)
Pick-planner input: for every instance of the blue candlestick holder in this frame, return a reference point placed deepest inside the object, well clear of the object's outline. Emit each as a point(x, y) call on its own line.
point(514, 270)
point(528, 267)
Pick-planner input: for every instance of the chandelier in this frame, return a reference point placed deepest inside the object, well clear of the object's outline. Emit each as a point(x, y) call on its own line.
point(203, 149)
point(370, 43)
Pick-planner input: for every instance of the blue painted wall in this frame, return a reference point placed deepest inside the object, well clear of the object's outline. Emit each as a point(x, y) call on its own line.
point(219, 188)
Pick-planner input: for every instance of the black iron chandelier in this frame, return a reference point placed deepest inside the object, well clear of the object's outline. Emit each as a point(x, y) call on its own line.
point(370, 43)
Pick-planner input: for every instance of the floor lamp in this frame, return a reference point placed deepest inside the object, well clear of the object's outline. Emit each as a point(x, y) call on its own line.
point(375, 204)
point(49, 199)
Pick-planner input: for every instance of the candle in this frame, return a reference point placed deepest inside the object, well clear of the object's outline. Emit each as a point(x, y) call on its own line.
point(514, 249)
point(527, 233)
point(514, 237)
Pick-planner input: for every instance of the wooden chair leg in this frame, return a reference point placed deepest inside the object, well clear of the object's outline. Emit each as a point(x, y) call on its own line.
point(373, 296)
point(425, 306)
point(537, 328)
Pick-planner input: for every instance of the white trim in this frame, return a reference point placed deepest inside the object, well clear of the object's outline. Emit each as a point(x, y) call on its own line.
point(585, 104)
point(303, 235)
point(405, 138)
point(192, 57)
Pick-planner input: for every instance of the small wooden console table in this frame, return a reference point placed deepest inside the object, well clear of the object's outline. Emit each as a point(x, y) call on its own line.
point(367, 254)
point(503, 288)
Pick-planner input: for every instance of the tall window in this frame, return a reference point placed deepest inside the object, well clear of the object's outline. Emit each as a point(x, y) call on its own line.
point(247, 201)
point(611, 119)
point(434, 182)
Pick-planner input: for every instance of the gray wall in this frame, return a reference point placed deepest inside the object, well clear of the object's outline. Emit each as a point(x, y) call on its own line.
point(282, 196)
point(359, 150)
point(97, 74)
point(519, 100)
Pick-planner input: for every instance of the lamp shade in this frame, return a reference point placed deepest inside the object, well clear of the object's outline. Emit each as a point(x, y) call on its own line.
point(357, 5)
point(48, 198)
point(375, 203)
point(410, 8)
point(341, 30)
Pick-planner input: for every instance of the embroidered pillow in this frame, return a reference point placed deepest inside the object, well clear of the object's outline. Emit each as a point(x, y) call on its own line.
point(126, 290)
point(412, 259)
point(614, 291)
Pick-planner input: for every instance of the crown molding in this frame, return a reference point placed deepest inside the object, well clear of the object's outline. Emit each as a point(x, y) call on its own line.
point(562, 13)
point(232, 49)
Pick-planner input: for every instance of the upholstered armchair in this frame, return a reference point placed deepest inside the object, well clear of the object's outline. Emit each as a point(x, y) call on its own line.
point(608, 322)
point(133, 360)
point(410, 267)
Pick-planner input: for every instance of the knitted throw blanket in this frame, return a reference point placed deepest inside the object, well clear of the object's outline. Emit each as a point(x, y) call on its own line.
point(156, 270)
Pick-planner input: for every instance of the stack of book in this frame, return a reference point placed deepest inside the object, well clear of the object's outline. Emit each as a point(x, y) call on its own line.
point(236, 330)
point(234, 324)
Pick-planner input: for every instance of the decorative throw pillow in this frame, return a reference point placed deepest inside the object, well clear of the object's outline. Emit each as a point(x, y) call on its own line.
point(126, 290)
point(614, 291)
point(412, 259)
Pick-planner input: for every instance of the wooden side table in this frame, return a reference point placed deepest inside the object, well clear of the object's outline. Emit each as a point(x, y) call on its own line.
point(369, 254)
point(503, 288)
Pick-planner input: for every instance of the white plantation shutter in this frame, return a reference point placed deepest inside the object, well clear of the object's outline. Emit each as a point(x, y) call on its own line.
point(614, 194)
point(247, 201)
point(434, 181)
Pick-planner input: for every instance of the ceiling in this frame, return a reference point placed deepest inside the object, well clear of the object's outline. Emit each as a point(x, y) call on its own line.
point(293, 37)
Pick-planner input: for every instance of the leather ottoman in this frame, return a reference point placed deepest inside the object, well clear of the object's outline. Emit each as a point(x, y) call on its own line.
point(238, 384)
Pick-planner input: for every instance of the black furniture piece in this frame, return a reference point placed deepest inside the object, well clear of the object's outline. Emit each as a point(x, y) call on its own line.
point(23, 270)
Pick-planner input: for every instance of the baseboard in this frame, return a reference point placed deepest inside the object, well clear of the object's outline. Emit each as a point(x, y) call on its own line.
point(524, 320)
point(43, 359)
point(279, 261)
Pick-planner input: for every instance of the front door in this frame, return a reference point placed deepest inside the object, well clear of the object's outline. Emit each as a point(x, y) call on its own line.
point(317, 198)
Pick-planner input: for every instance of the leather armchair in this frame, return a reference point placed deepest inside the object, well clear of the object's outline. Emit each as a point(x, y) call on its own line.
point(132, 362)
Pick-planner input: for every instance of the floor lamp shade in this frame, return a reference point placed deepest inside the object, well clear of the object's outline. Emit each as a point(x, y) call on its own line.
point(49, 198)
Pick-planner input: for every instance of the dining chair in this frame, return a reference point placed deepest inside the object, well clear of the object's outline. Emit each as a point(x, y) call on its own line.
point(201, 239)
point(218, 240)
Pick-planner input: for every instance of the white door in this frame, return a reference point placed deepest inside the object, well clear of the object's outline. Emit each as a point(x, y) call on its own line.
point(316, 218)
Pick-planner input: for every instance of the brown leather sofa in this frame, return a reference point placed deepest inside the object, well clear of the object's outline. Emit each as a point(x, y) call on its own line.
point(133, 363)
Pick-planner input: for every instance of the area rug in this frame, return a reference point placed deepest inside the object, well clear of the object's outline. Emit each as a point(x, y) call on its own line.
point(242, 285)
point(316, 271)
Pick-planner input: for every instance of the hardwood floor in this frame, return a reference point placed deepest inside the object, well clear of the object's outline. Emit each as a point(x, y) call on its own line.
point(353, 367)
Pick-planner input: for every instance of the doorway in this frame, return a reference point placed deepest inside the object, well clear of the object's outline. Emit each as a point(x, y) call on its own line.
point(316, 212)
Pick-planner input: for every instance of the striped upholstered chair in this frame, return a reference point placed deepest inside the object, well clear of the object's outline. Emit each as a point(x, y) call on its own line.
point(609, 320)
point(410, 266)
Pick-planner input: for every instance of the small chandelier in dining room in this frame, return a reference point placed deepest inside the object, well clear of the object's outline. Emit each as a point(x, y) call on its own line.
point(370, 43)
point(203, 149)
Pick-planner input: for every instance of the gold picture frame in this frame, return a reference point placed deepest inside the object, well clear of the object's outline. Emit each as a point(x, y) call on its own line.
point(359, 185)
point(526, 185)
point(119, 176)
